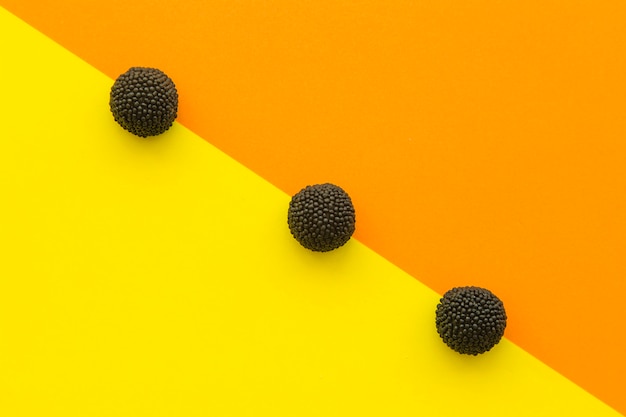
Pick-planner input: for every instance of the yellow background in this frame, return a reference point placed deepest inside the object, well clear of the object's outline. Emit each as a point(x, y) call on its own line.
point(158, 278)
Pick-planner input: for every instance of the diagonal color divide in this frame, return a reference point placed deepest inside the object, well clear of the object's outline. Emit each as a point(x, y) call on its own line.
point(152, 277)
point(157, 277)
point(483, 143)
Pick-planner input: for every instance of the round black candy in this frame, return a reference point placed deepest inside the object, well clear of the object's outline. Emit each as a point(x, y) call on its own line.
point(470, 320)
point(144, 101)
point(321, 217)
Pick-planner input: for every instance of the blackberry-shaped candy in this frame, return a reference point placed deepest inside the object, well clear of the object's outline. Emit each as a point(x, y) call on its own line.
point(470, 320)
point(321, 217)
point(144, 101)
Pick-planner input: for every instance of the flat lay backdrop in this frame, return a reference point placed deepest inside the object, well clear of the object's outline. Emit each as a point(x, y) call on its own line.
point(482, 142)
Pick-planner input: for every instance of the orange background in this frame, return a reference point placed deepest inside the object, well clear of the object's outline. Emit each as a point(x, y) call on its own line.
point(482, 143)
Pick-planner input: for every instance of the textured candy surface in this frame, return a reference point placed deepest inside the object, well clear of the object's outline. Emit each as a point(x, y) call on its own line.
point(144, 101)
point(321, 217)
point(470, 320)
